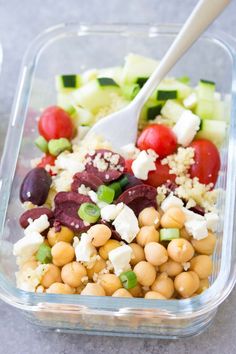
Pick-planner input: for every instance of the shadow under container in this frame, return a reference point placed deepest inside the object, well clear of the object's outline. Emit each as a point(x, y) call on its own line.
point(71, 49)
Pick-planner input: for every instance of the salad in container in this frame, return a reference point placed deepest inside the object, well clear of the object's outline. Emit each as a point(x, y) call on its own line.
point(137, 241)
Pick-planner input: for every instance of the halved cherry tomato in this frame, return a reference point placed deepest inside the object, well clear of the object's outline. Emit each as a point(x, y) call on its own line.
point(159, 138)
point(47, 160)
point(55, 123)
point(207, 161)
point(160, 176)
point(128, 164)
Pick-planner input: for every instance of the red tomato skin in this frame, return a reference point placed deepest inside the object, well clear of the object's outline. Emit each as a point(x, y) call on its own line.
point(47, 160)
point(159, 138)
point(160, 176)
point(128, 164)
point(55, 123)
point(207, 161)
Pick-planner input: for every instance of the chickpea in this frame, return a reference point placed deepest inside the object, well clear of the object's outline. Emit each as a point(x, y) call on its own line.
point(122, 293)
point(171, 268)
point(80, 288)
point(186, 283)
point(99, 265)
point(163, 285)
point(202, 265)
point(185, 234)
point(173, 218)
point(145, 272)
point(204, 284)
point(108, 247)
point(72, 273)
point(138, 254)
point(180, 250)
point(93, 289)
point(60, 288)
point(110, 283)
point(155, 253)
point(137, 291)
point(65, 234)
point(100, 234)
point(147, 234)
point(62, 253)
point(149, 217)
point(154, 295)
point(51, 275)
point(206, 245)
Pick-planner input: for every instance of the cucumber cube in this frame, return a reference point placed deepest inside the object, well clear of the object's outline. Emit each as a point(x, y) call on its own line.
point(214, 130)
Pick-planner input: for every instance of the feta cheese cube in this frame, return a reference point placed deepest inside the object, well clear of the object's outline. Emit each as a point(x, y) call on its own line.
point(110, 212)
point(84, 250)
point(211, 220)
point(197, 228)
point(190, 215)
point(143, 164)
point(190, 101)
point(129, 151)
point(186, 127)
point(126, 224)
point(28, 245)
point(38, 225)
point(120, 258)
point(171, 201)
point(94, 198)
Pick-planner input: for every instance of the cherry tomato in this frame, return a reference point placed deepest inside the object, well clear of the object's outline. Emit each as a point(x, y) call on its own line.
point(207, 161)
point(47, 160)
point(128, 164)
point(55, 123)
point(160, 175)
point(159, 138)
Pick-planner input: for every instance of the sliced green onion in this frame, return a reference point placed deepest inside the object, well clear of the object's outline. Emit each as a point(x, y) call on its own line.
point(169, 234)
point(117, 189)
point(130, 91)
point(128, 279)
point(42, 144)
point(123, 181)
point(105, 194)
point(184, 79)
point(56, 146)
point(44, 254)
point(89, 212)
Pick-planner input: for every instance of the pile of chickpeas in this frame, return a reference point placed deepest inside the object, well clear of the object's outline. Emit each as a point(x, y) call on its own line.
point(165, 270)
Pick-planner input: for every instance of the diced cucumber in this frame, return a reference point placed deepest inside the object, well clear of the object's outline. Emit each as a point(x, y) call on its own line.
point(141, 81)
point(92, 96)
point(172, 110)
point(148, 109)
point(89, 75)
point(154, 111)
point(178, 89)
point(163, 95)
point(82, 117)
point(184, 79)
point(64, 100)
point(219, 110)
point(67, 82)
point(113, 72)
point(190, 101)
point(137, 66)
point(206, 90)
point(214, 130)
point(130, 91)
point(106, 81)
point(205, 108)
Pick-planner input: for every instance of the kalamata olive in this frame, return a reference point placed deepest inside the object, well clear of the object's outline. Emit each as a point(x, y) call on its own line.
point(87, 179)
point(35, 186)
point(198, 210)
point(34, 214)
point(132, 181)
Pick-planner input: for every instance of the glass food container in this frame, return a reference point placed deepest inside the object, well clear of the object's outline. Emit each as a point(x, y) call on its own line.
point(71, 49)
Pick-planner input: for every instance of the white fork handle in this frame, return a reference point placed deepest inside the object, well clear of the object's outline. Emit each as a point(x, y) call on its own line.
point(202, 16)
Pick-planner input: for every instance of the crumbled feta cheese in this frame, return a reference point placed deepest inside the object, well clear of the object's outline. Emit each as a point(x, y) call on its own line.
point(93, 196)
point(29, 279)
point(190, 215)
point(197, 228)
point(211, 220)
point(62, 182)
point(38, 225)
point(143, 164)
point(129, 151)
point(120, 258)
point(186, 127)
point(171, 201)
point(28, 245)
point(126, 224)
point(190, 101)
point(72, 162)
point(84, 190)
point(110, 212)
point(84, 250)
